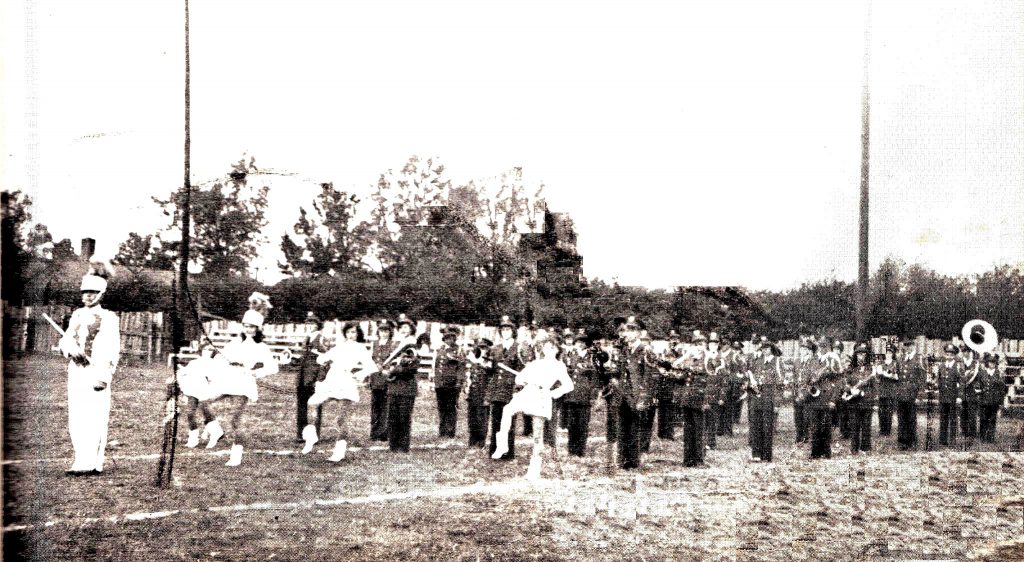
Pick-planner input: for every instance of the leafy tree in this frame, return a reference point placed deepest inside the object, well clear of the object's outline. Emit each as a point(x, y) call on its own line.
point(227, 220)
point(138, 252)
point(332, 241)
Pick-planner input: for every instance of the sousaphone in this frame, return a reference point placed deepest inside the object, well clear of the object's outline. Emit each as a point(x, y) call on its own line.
point(980, 336)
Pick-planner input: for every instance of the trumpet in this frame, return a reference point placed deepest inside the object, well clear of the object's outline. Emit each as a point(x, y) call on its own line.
point(855, 390)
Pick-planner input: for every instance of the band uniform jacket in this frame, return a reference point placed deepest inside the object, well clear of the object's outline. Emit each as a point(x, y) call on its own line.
point(691, 388)
point(402, 376)
point(381, 351)
point(971, 388)
point(827, 379)
point(807, 371)
point(950, 377)
point(584, 378)
point(450, 367)
point(638, 366)
point(994, 386)
point(887, 386)
point(478, 373)
point(767, 370)
point(94, 331)
point(717, 371)
point(501, 385)
point(913, 375)
point(868, 386)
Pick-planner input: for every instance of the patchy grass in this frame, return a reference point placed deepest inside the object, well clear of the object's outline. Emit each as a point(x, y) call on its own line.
point(456, 506)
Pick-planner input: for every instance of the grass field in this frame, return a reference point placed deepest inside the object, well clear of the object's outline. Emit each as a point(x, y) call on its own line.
point(444, 501)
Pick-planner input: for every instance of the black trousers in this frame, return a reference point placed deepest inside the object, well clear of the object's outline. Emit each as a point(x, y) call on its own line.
point(947, 423)
point(693, 435)
point(725, 418)
point(527, 425)
point(303, 390)
point(630, 428)
point(612, 421)
point(577, 418)
point(819, 420)
point(563, 418)
point(906, 424)
point(647, 430)
point(551, 426)
point(800, 421)
point(447, 411)
point(842, 419)
point(378, 414)
point(667, 418)
point(886, 407)
point(989, 415)
point(761, 414)
point(496, 410)
point(400, 422)
point(711, 424)
point(860, 428)
point(737, 411)
point(969, 419)
point(476, 419)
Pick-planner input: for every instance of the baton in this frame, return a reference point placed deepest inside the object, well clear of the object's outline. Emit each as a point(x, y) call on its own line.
point(60, 331)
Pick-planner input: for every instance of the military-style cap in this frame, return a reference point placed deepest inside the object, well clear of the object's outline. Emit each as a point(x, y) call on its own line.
point(403, 319)
point(673, 335)
point(713, 337)
point(506, 322)
point(737, 345)
point(838, 345)
point(484, 342)
point(581, 335)
point(451, 331)
point(386, 324)
point(861, 347)
point(632, 323)
point(990, 357)
point(950, 348)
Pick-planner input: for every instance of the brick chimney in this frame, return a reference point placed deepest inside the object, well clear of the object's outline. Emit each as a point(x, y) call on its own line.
point(88, 248)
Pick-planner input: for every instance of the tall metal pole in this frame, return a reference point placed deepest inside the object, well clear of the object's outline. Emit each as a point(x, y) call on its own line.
point(865, 153)
point(181, 303)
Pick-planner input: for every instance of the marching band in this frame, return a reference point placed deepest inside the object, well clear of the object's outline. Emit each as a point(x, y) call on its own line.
point(697, 384)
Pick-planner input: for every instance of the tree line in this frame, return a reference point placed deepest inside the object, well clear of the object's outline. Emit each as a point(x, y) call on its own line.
point(435, 250)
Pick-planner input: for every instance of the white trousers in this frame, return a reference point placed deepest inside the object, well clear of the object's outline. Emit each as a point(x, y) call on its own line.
point(88, 416)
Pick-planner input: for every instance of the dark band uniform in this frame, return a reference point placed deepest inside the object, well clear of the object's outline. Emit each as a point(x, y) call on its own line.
point(449, 376)
point(913, 375)
point(379, 391)
point(402, 390)
point(992, 398)
point(586, 384)
point(500, 388)
point(767, 372)
point(950, 377)
point(636, 390)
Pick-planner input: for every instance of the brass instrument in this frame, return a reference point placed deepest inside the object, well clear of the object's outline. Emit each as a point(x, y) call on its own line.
point(854, 391)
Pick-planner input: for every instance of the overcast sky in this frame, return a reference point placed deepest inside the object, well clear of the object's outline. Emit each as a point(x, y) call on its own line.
point(692, 142)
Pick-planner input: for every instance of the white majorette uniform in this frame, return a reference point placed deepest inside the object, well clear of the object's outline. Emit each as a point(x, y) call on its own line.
point(351, 363)
point(94, 332)
point(209, 378)
point(538, 376)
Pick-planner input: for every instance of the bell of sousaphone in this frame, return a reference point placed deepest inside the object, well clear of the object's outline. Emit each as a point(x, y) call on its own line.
point(979, 336)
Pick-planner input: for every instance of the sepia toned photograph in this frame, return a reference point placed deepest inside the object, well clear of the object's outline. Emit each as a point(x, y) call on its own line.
point(393, 280)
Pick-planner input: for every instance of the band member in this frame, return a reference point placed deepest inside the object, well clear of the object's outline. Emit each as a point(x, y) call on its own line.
point(717, 389)
point(350, 363)
point(667, 411)
point(950, 378)
point(992, 398)
point(382, 348)
point(860, 397)
point(971, 391)
point(310, 372)
point(647, 428)
point(92, 342)
point(912, 377)
point(527, 353)
point(479, 368)
point(766, 378)
point(585, 379)
point(507, 360)
point(609, 370)
point(634, 384)
point(449, 377)
point(738, 366)
point(840, 417)
point(888, 382)
point(242, 362)
point(568, 348)
point(402, 387)
point(808, 368)
point(691, 388)
point(823, 391)
point(542, 380)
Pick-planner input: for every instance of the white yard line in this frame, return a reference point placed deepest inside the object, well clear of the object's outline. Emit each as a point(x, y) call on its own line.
point(197, 453)
point(493, 488)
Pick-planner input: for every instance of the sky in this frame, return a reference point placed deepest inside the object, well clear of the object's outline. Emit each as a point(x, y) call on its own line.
point(696, 143)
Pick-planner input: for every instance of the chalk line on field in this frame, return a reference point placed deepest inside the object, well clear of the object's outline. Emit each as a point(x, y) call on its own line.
point(271, 452)
point(479, 488)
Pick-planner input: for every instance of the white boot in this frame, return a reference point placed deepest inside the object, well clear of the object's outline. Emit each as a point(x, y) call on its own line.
point(216, 432)
point(533, 473)
point(339, 451)
point(309, 435)
point(501, 447)
point(236, 456)
point(193, 439)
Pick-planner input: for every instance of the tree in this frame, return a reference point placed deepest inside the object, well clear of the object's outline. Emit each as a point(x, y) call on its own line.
point(138, 252)
point(13, 234)
point(332, 241)
point(886, 295)
point(227, 220)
